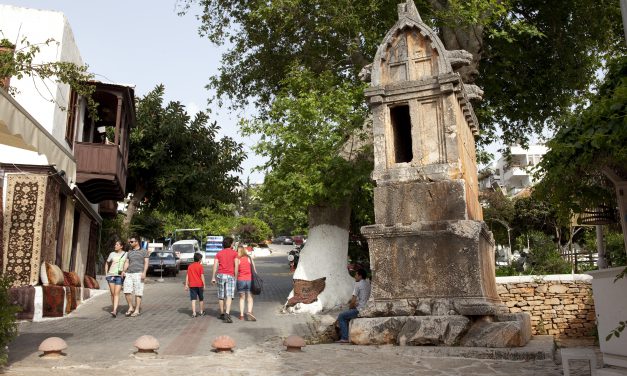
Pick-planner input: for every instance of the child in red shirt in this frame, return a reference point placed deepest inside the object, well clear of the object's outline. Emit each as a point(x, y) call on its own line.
point(195, 283)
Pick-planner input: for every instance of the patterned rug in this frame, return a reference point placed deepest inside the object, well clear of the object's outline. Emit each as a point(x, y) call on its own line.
point(24, 297)
point(71, 297)
point(53, 297)
point(306, 292)
point(23, 222)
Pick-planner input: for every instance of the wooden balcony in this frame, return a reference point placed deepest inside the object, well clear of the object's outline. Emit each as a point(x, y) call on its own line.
point(101, 171)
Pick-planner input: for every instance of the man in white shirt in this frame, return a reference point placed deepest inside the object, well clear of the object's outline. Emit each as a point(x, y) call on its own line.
point(361, 293)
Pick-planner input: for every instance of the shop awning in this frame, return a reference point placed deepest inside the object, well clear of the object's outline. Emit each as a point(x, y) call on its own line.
point(19, 129)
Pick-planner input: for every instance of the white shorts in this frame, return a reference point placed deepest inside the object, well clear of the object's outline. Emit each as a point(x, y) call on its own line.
point(133, 284)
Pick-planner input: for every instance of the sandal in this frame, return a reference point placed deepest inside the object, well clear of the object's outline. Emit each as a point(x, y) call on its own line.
point(129, 312)
point(135, 314)
point(251, 317)
point(113, 314)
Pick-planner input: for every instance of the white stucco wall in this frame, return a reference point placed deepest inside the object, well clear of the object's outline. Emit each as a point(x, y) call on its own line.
point(35, 95)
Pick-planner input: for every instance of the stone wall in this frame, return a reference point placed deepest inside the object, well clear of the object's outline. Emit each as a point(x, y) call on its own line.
point(559, 305)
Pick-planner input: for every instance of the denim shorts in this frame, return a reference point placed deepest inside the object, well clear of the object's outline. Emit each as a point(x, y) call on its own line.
point(196, 293)
point(244, 286)
point(115, 279)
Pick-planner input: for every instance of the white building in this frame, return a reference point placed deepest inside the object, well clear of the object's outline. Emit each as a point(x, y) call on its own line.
point(59, 174)
point(515, 173)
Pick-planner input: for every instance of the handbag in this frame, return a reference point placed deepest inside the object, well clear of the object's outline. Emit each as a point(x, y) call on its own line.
point(257, 284)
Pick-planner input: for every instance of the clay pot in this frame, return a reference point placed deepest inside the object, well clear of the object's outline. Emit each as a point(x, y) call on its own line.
point(294, 343)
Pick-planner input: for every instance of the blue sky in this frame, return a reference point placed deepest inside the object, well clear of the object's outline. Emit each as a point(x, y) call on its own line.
point(145, 43)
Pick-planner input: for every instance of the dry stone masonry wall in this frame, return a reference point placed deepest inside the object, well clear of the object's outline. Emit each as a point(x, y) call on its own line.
point(559, 305)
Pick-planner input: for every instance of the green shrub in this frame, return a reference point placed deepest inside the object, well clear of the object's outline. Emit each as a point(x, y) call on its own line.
point(252, 230)
point(8, 322)
point(544, 257)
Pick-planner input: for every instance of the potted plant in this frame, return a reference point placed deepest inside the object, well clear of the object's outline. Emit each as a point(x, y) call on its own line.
point(7, 49)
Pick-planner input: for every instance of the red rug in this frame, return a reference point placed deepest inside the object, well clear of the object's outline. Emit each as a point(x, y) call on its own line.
point(24, 297)
point(307, 292)
point(53, 297)
point(71, 296)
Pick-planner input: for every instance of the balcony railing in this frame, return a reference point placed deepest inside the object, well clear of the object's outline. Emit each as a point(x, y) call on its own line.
point(101, 171)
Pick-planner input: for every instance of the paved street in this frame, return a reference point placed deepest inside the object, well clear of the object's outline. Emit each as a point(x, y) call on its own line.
point(101, 345)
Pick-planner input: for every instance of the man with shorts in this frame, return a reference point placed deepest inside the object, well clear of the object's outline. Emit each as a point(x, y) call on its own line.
point(224, 265)
point(135, 268)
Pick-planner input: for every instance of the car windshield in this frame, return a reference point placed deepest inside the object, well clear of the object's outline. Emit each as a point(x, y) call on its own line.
point(183, 248)
point(158, 255)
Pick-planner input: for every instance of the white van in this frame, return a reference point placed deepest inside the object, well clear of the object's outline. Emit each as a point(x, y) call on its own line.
point(185, 249)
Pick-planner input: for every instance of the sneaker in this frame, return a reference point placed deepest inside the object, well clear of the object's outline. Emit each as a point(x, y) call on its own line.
point(221, 317)
point(194, 315)
point(344, 341)
point(227, 318)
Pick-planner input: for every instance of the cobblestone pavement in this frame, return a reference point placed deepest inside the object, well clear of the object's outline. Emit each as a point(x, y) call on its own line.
point(101, 345)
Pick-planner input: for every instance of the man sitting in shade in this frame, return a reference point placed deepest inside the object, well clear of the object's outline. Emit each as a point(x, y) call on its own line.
point(361, 293)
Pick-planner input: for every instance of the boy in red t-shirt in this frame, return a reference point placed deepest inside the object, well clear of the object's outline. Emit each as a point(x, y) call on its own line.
point(195, 283)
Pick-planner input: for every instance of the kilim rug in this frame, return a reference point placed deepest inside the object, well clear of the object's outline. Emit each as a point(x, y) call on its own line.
point(53, 297)
point(24, 297)
point(23, 222)
point(306, 292)
point(74, 297)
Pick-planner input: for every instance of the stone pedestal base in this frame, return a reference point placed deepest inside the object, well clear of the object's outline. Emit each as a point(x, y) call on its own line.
point(508, 330)
point(448, 261)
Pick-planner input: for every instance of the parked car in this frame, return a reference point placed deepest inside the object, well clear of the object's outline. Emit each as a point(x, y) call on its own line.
point(185, 250)
point(163, 262)
point(285, 240)
point(155, 247)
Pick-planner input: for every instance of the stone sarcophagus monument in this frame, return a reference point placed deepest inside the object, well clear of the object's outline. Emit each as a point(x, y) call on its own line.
point(431, 254)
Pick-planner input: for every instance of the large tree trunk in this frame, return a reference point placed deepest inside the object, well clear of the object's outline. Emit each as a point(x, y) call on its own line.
point(133, 206)
point(326, 255)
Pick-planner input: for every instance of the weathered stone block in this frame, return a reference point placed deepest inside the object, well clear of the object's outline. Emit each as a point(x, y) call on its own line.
point(558, 289)
point(418, 201)
point(499, 334)
point(433, 330)
point(448, 259)
point(376, 331)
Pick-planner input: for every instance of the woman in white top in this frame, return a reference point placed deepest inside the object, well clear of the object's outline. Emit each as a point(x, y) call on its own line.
point(113, 271)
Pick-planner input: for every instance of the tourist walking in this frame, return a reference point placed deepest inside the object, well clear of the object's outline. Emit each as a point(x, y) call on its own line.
point(113, 273)
point(195, 283)
point(245, 266)
point(361, 293)
point(224, 275)
point(134, 273)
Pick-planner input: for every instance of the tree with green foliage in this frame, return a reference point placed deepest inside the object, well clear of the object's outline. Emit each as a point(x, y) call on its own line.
point(589, 143)
point(176, 163)
point(299, 63)
point(534, 60)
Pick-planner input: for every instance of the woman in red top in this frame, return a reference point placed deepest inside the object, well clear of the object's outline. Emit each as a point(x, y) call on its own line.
point(244, 265)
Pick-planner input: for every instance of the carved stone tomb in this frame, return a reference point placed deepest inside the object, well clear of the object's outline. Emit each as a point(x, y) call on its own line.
point(431, 254)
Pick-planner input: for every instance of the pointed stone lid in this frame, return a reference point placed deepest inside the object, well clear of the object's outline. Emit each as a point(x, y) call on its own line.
point(408, 10)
